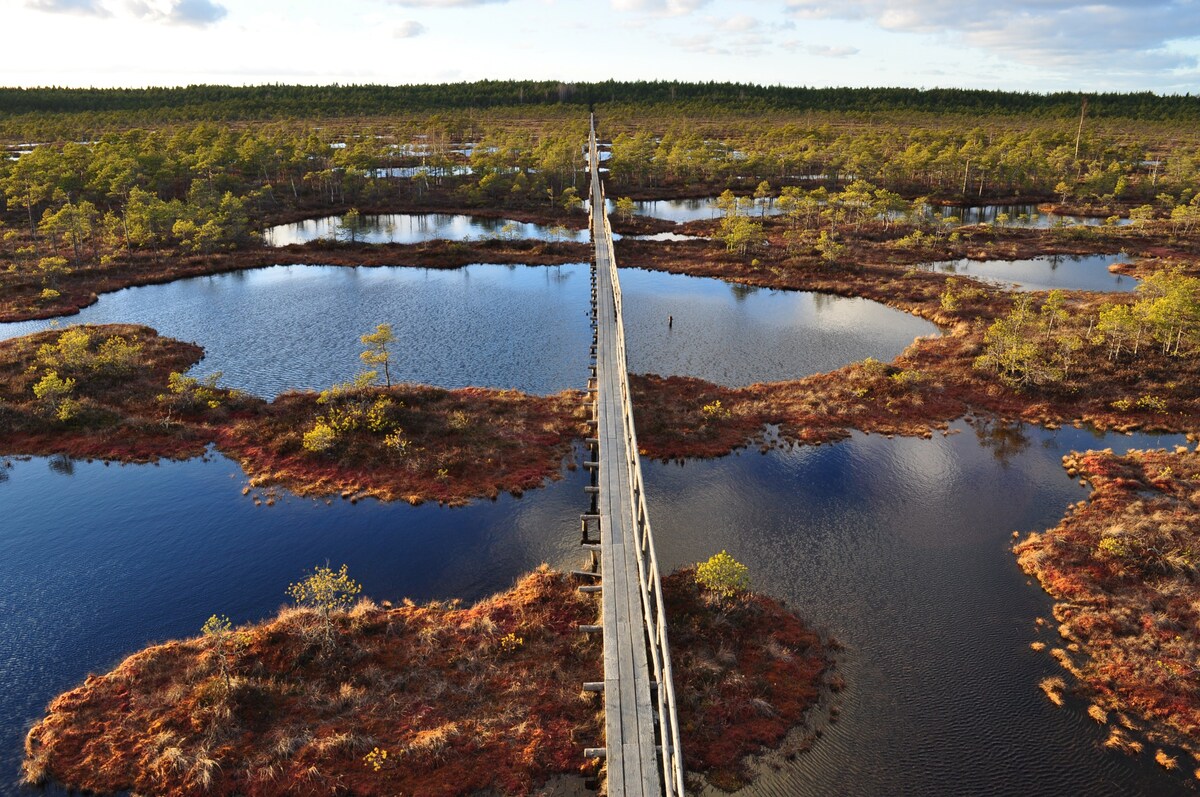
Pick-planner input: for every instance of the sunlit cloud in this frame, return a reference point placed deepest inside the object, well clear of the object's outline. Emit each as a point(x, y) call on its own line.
point(197, 13)
point(828, 51)
point(710, 44)
point(408, 29)
point(1058, 33)
point(93, 8)
point(669, 8)
point(443, 3)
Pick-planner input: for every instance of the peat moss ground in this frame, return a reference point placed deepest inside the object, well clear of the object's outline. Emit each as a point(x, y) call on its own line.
point(409, 442)
point(462, 700)
point(1123, 567)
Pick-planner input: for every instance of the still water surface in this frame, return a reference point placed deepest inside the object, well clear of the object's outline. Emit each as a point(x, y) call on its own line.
point(523, 327)
point(412, 228)
point(1047, 272)
point(1019, 215)
point(897, 547)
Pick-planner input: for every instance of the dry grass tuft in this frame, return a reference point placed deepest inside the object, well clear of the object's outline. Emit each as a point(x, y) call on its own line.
point(1053, 687)
point(1165, 761)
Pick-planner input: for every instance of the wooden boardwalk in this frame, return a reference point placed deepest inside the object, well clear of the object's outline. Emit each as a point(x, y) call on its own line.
point(641, 733)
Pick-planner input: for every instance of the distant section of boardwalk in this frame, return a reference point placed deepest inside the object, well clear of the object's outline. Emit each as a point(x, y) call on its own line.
point(641, 724)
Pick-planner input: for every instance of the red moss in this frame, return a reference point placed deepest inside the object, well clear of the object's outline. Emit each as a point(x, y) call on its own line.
point(461, 444)
point(458, 708)
point(462, 700)
point(1124, 568)
point(746, 674)
point(119, 416)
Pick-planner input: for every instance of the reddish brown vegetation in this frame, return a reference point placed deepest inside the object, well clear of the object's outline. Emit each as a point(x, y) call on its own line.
point(746, 672)
point(462, 700)
point(459, 444)
point(931, 383)
point(1124, 567)
point(119, 416)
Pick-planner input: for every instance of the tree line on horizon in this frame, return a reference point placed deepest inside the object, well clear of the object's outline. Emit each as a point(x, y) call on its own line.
point(279, 101)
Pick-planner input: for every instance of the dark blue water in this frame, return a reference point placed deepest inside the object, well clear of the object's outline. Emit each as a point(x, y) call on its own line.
point(411, 228)
point(521, 327)
point(1045, 273)
point(98, 561)
point(899, 548)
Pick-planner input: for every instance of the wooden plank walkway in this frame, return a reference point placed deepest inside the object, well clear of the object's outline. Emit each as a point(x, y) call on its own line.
point(630, 617)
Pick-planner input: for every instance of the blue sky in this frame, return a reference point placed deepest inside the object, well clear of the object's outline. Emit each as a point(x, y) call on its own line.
point(1025, 45)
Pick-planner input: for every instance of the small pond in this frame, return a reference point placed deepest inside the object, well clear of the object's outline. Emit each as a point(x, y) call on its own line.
point(1048, 272)
point(523, 327)
point(412, 228)
point(1018, 215)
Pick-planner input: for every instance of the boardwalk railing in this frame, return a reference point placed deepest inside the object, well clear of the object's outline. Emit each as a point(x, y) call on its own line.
point(653, 619)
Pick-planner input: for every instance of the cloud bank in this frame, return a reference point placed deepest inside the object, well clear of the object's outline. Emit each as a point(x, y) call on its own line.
point(1135, 34)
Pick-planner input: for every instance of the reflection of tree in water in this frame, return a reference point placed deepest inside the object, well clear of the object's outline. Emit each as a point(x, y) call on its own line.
point(740, 291)
point(1005, 439)
point(558, 274)
point(4, 466)
point(62, 464)
point(822, 300)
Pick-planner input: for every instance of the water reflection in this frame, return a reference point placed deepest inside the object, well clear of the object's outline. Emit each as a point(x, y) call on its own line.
point(511, 326)
point(1005, 439)
point(1048, 272)
point(900, 549)
point(741, 291)
point(62, 464)
point(1002, 214)
point(411, 228)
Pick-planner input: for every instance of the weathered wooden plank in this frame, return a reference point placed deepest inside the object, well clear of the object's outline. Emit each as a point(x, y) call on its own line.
point(632, 760)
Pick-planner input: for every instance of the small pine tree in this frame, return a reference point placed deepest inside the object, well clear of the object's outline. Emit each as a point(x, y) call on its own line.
point(218, 629)
point(328, 592)
point(377, 352)
point(723, 576)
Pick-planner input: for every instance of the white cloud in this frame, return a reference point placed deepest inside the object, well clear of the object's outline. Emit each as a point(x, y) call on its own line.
point(1058, 33)
point(668, 8)
point(196, 13)
point(740, 24)
point(828, 51)
point(720, 44)
point(408, 29)
point(443, 3)
point(93, 8)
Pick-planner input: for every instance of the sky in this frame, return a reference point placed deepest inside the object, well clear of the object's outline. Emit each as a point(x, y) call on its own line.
point(1018, 45)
